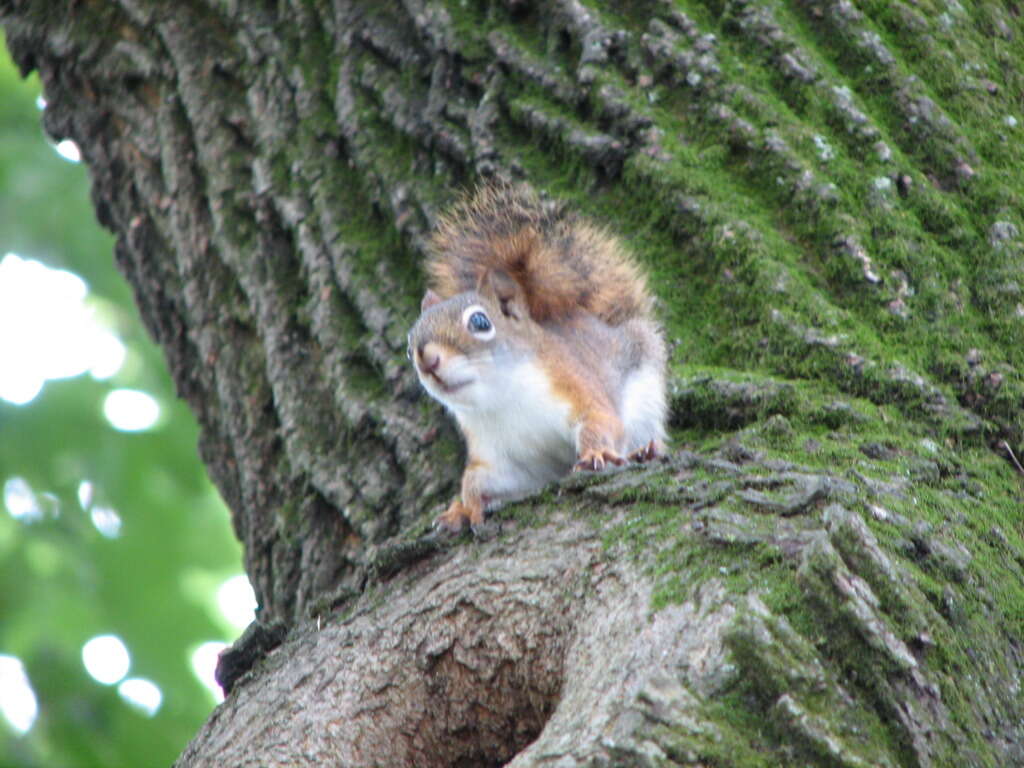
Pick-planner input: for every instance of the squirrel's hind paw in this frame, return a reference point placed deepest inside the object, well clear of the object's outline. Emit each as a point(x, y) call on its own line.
point(652, 450)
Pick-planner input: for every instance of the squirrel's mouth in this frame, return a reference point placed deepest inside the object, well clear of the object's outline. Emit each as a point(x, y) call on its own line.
point(447, 387)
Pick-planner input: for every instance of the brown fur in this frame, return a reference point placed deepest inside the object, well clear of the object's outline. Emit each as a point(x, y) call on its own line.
point(562, 263)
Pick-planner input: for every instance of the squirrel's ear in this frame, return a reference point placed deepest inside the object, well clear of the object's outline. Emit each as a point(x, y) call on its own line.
point(429, 299)
point(507, 293)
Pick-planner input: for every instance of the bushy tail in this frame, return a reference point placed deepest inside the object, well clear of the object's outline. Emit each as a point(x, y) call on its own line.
point(562, 262)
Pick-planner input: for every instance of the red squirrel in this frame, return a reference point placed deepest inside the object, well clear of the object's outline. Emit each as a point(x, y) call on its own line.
point(537, 332)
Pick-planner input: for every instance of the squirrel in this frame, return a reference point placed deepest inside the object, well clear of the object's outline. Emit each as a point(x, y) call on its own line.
point(537, 333)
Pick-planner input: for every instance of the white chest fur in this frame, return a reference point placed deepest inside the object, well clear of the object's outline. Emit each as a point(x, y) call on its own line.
point(522, 433)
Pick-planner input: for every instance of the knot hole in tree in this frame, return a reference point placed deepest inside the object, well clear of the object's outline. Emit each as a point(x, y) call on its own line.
point(489, 682)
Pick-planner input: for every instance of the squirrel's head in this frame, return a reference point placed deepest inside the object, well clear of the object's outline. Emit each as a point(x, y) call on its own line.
point(463, 347)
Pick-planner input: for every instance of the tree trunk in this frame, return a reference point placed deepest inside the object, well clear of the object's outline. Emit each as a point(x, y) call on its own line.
point(828, 567)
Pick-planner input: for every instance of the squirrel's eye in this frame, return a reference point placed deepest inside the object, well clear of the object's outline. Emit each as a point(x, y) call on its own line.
point(476, 321)
point(479, 323)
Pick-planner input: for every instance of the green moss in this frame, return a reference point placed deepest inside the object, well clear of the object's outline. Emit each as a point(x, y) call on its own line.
point(470, 21)
point(892, 230)
point(822, 301)
point(821, 294)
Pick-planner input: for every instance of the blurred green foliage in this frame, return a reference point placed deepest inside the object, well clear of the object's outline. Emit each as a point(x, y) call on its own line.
point(61, 581)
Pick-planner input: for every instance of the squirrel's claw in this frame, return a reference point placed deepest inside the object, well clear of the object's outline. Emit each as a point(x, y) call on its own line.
point(444, 524)
point(594, 460)
point(652, 450)
point(454, 519)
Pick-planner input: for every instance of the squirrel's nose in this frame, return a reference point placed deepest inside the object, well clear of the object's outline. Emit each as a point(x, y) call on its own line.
point(429, 358)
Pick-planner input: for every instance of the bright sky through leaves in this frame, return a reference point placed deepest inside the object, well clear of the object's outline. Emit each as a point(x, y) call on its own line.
point(237, 602)
point(101, 512)
point(143, 694)
point(69, 150)
point(17, 699)
point(106, 659)
point(48, 330)
point(130, 410)
point(204, 662)
point(20, 501)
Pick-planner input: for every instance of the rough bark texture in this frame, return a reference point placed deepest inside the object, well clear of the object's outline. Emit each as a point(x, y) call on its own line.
point(464, 665)
point(828, 197)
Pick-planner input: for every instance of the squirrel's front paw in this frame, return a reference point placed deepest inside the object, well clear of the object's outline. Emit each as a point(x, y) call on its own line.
point(453, 519)
point(594, 460)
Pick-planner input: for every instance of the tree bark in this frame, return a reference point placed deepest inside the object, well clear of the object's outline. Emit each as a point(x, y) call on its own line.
point(827, 568)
